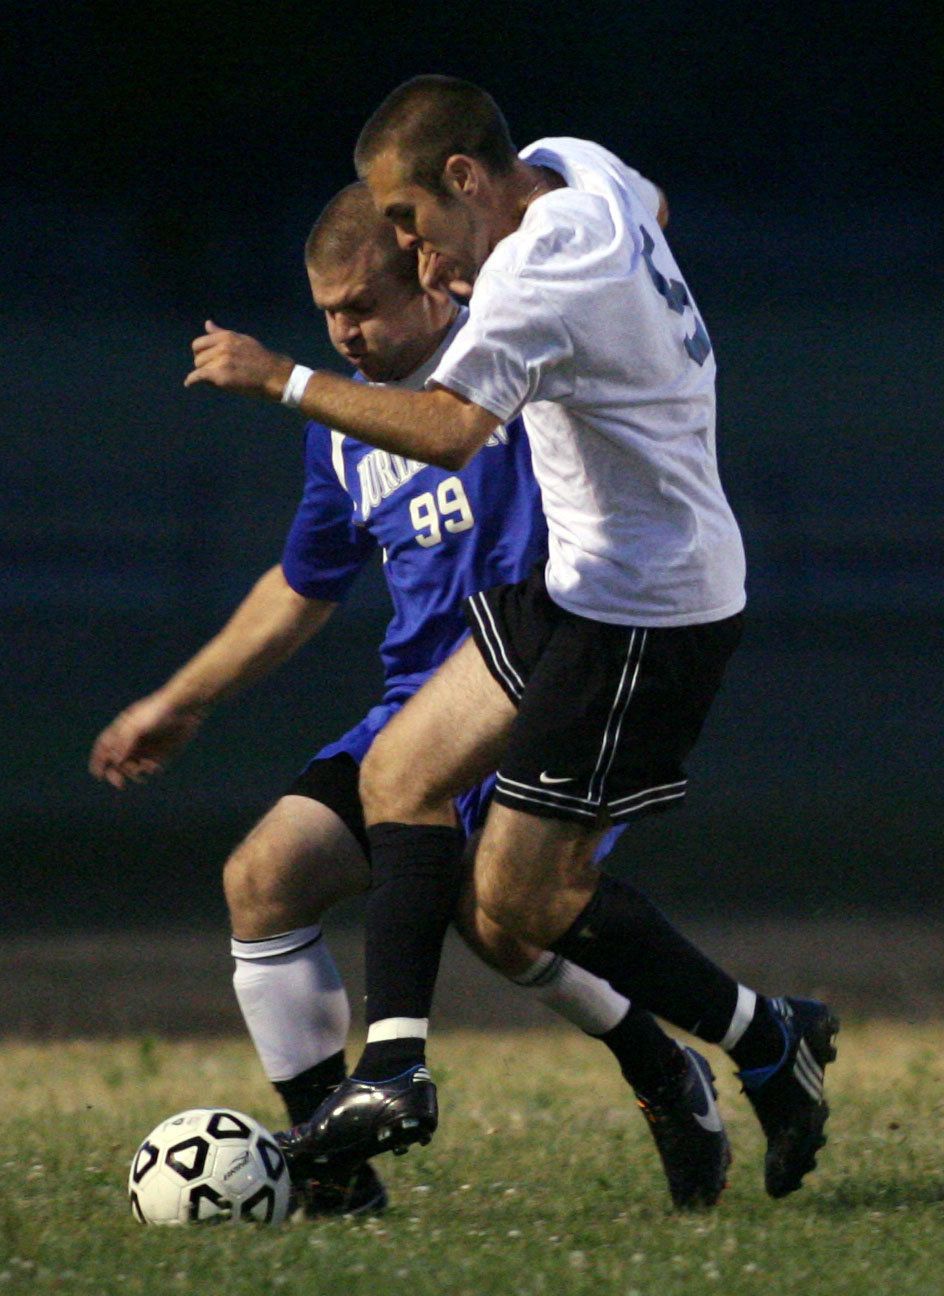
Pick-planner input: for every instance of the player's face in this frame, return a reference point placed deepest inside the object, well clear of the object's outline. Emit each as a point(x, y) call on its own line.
point(448, 228)
point(375, 320)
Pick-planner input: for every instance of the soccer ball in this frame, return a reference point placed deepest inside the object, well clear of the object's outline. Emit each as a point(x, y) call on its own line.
point(209, 1164)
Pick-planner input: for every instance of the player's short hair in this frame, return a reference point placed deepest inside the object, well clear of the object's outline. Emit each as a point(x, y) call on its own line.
point(428, 119)
point(349, 223)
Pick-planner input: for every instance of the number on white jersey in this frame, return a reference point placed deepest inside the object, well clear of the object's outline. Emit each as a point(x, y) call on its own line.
point(676, 295)
point(449, 509)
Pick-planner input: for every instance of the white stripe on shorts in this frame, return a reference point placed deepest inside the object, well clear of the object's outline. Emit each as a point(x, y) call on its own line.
point(535, 797)
point(496, 649)
point(671, 789)
point(550, 793)
point(635, 806)
point(614, 722)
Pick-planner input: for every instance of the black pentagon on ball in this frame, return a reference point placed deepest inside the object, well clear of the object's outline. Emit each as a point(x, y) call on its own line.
point(145, 1160)
point(224, 1125)
point(136, 1210)
point(177, 1157)
point(272, 1159)
point(266, 1194)
point(202, 1193)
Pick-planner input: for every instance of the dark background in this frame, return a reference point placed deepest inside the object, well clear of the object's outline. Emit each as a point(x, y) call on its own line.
point(168, 166)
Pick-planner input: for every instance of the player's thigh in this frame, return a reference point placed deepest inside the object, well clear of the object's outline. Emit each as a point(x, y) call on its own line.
point(300, 859)
point(449, 736)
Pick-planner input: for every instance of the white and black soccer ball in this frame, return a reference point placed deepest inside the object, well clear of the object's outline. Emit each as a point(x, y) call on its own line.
point(209, 1164)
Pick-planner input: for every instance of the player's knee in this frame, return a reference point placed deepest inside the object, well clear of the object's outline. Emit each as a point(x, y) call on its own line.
point(493, 944)
point(242, 884)
point(518, 895)
point(258, 889)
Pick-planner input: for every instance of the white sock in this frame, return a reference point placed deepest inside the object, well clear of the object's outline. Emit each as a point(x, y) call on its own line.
point(291, 996)
point(743, 1016)
point(576, 995)
point(390, 1028)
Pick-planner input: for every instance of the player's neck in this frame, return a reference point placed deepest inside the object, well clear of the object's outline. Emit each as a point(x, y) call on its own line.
point(523, 186)
point(438, 337)
point(431, 344)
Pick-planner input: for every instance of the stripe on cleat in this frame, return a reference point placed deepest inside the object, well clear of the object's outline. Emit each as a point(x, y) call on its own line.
point(808, 1071)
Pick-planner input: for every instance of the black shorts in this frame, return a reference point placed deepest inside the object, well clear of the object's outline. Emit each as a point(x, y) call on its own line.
point(606, 713)
point(334, 781)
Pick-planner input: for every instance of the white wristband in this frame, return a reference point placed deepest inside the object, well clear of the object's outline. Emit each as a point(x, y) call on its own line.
point(295, 387)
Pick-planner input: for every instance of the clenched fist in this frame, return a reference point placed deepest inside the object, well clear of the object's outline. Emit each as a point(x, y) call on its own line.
point(237, 362)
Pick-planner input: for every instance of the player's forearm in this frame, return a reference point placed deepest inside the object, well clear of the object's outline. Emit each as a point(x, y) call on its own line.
point(267, 628)
point(435, 427)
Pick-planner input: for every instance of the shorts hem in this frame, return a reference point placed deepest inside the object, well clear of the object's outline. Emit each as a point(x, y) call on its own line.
point(649, 801)
point(546, 804)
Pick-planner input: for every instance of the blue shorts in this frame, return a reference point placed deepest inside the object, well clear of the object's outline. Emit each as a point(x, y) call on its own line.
point(471, 807)
point(331, 777)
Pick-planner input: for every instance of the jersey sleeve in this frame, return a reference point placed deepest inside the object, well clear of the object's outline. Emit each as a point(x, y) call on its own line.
point(514, 349)
point(324, 550)
point(649, 194)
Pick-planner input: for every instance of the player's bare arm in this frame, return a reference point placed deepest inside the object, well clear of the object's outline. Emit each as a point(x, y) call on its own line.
point(267, 628)
point(436, 427)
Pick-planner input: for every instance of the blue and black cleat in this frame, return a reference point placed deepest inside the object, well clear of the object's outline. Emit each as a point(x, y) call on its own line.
point(689, 1135)
point(788, 1096)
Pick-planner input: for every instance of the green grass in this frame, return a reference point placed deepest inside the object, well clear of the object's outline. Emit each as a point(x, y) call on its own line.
point(541, 1180)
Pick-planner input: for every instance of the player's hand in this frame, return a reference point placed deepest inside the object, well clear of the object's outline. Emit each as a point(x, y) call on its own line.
point(437, 276)
point(142, 741)
point(238, 363)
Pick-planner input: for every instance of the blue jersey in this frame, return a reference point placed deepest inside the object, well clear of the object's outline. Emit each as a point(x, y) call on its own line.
point(443, 535)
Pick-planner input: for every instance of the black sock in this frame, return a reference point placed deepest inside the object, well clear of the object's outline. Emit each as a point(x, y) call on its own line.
point(303, 1093)
point(416, 876)
point(762, 1043)
point(623, 938)
point(647, 1056)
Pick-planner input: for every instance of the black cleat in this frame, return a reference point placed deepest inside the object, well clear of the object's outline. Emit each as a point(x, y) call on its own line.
point(363, 1193)
point(788, 1096)
point(360, 1119)
point(686, 1125)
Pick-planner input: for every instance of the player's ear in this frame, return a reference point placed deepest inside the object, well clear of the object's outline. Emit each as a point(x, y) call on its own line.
point(460, 175)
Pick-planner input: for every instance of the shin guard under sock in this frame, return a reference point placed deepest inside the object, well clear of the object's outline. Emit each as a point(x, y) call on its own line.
point(623, 938)
point(416, 876)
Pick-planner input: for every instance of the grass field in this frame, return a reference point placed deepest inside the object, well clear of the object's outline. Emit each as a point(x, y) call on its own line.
point(542, 1179)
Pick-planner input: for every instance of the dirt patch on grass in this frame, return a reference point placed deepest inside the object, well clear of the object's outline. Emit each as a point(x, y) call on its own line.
point(178, 983)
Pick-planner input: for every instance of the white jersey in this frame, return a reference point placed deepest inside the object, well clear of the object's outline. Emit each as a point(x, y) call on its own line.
point(581, 319)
